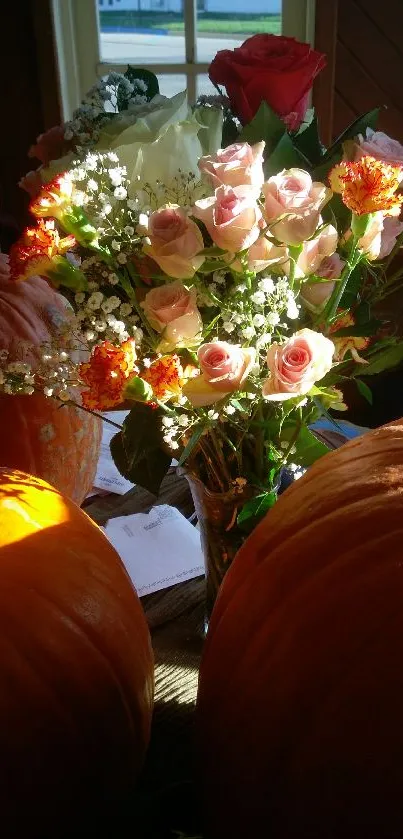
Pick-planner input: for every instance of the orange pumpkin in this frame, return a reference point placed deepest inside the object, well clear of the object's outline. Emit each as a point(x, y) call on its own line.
point(76, 668)
point(60, 445)
point(300, 706)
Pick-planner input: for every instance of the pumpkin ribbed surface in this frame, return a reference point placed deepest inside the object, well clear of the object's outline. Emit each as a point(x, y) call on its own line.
point(76, 667)
point(300, 706)
point(60, 445)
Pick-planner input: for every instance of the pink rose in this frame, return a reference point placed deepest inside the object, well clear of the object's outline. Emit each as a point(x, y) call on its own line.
point(175, 242)
point(331, 267)
point(317, 294)
point(171, 309)
point(234, 166)
point(231, 217)
point(379, 145)
point(297, 364)
point(224, 367)
point(261, 255)
point(296, 201)
point(370, 243)
point(392, 228)
point(315, 250)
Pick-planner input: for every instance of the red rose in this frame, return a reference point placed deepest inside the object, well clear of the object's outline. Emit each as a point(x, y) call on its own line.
point(269, 68)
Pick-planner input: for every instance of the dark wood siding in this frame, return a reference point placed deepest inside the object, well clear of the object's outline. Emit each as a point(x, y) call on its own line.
point(364, 43)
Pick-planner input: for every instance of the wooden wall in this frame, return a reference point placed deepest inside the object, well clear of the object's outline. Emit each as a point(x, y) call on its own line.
point(29, 93)
point(363, 40)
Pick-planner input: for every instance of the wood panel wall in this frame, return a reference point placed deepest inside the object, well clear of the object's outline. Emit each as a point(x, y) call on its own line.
point(30, 99)
point(363, 40)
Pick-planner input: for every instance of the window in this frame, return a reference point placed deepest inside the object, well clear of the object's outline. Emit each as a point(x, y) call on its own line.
point(177, 39)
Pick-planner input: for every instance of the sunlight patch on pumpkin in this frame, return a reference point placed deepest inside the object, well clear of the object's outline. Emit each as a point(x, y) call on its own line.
point(25, 516)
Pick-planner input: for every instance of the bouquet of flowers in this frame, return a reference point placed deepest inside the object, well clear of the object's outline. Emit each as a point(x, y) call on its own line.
point(223, 292)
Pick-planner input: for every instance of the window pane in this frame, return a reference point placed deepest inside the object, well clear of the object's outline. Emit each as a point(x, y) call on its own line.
point(204, 86)
point(131, 34)
point(171, 83)
point(219, 29)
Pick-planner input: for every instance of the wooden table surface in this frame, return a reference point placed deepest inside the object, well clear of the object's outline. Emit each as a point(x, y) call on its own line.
point(165, 803)
point(165, 800)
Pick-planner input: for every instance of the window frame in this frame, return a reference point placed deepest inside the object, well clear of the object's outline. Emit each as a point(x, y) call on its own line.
point(77, 40)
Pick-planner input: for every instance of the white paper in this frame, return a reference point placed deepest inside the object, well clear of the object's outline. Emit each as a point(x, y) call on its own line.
point(108, 476)
point(159, 548)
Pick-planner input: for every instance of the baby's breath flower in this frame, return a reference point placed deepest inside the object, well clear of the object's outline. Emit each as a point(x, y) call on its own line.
point(79, 297)
point(230, 410)
point(115, 245)
point(113, 279)
point(122, 258)
point(92, 185)
point(129, 230)
point(138, 335)
point(248, 332)
point(258, 298)
point(183, 420)
point(266, 285)
point(110, 304)
point(167, 422)
point(259, 320)
point(95, 300)
point(120, 193)
point(273, 319)
point(125, 310)
point(228, 326)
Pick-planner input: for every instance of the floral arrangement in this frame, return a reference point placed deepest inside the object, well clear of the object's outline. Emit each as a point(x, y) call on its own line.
point(222, 291)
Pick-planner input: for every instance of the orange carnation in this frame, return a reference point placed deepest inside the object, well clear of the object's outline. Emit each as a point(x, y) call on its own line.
point(348, 342)
point(368, 185)
point(165, 376)
point(35, 251)
point(106, 374)
point(53, 198)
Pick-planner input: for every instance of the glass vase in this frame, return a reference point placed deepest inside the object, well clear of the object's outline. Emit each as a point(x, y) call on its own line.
point(221, 537)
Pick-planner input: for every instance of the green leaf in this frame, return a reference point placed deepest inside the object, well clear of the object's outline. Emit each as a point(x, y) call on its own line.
point(191, 444)
point(135, 73)
point(254, 510)
point(265, 125)
point(365, 330)
point(148, 472)
point(211, 265)
point(360, 224)
point(138, 451)
point(308, 142)
point(388, 358)
point(365, 391)
point(307, 447)
point(284, 156)
point(138, 390)
point(63, 273)
point(359, 126)
point(352, 289)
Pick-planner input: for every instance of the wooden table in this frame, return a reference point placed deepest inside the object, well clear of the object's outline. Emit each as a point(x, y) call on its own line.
point(165, 800)
point(165, 804)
